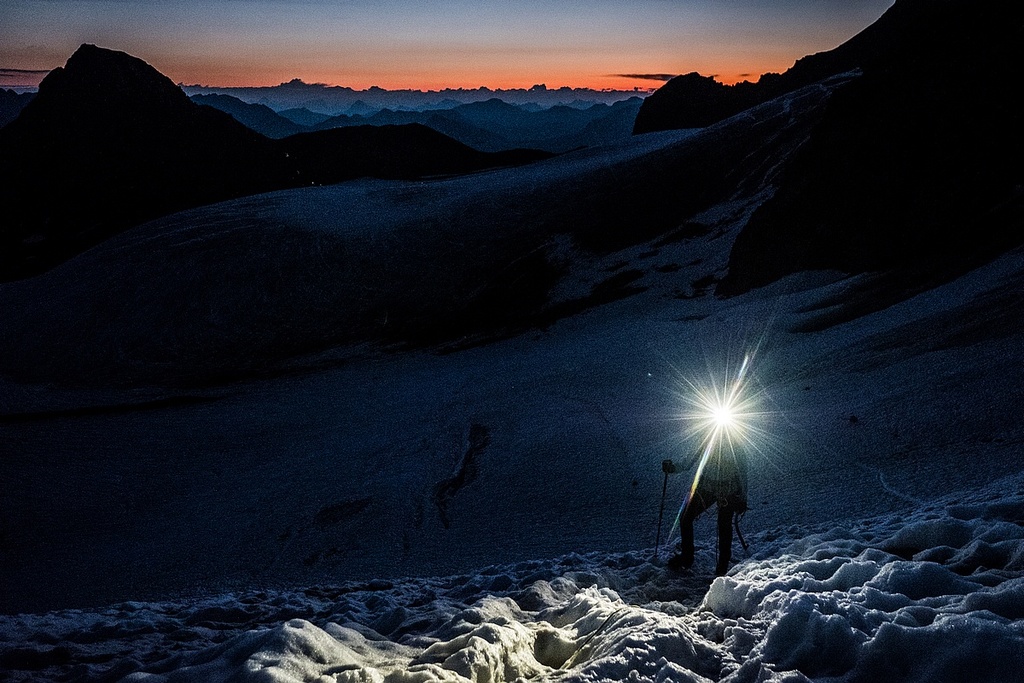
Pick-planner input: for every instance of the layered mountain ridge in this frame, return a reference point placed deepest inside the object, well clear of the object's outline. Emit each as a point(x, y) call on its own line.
point(864, 170)
point(109, 142)
point(488, 125)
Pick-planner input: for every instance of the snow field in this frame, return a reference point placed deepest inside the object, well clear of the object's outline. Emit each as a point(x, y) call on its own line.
point(884, 417)
point(933, 596)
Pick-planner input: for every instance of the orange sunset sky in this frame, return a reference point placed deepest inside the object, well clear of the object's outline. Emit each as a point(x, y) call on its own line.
point(431, 44)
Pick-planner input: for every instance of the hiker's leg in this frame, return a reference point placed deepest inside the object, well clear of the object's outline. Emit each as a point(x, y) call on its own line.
point(725, 513)
point(692, 511)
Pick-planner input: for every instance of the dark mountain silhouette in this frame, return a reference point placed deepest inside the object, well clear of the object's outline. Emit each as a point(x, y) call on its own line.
point(266, 121)
point(918, 176)
point(449, 123)
point(519, 124)
point(11, 104)
point(878, 171)
point(360, 108)
point(695, 101)
point(915, 166)
point(616, 124)
point(494, 125)
point(455, 125)
point(335, 100)
point(109, 142)
point(303, 116)
point(490, 126)
point(393, 152)
point(259, 117)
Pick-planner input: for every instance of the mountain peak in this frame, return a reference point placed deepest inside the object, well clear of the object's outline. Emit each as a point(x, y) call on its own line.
point(102, 78)
point(107, 142)
point(908, 27)
point(110, 142)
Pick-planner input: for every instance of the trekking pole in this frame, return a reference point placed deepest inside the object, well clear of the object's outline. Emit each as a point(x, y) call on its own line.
point(668, 467)
point(743, 541)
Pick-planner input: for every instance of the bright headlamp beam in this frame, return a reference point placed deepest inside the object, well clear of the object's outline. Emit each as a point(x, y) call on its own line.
point(723, 416)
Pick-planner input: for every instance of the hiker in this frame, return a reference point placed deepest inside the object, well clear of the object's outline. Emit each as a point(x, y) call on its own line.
point(723, 482)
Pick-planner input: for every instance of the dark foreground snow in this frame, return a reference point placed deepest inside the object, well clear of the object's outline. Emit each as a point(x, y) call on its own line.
point(935, 595)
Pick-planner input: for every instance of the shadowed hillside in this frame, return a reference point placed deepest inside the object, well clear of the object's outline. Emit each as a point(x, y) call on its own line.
point(250, 286)
point(109, 142)
point(867, 171)
point(259, 117)
point(915, 166)
point(694, 101)
point(11, 104)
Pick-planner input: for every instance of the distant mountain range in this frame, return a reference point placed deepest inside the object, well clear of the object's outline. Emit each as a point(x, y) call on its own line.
point(491, 125)
point(338, 100)
point(109, 142)
point(905, 161)
point(912, 166)
point(11, 104)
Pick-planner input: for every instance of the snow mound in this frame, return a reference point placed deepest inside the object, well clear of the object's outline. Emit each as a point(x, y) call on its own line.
point(839, 604)
point(935, 596)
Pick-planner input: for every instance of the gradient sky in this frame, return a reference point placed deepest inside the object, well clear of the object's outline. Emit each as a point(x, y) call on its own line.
point(432, 44)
